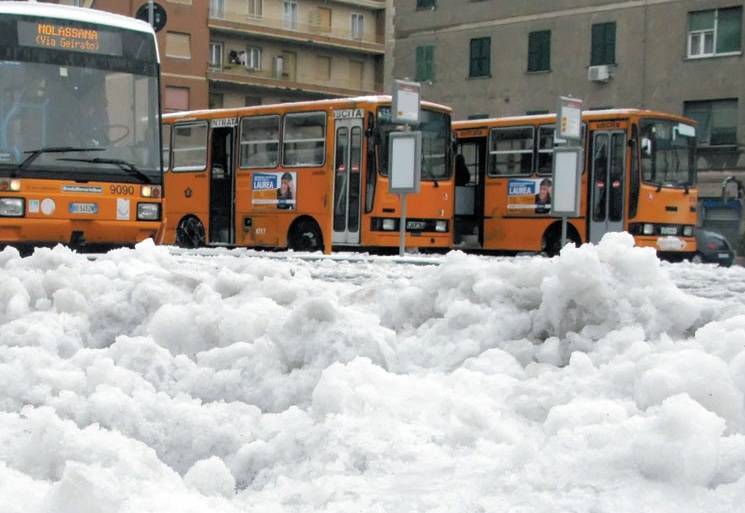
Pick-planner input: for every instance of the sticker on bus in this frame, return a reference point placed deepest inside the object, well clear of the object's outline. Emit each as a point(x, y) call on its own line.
point(274, 190)
point(529, 196)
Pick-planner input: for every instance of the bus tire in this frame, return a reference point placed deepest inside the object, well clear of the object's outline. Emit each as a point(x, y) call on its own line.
point(305, 235)
point(552, 238)
point(190, 233)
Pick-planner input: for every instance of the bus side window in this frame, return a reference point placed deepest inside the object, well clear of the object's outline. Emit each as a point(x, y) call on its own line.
point(166, 135)
point(511, 151)
point(634, 178)
point(304, 142)
point(545, 149)
point(260, 142)
point(190, 147)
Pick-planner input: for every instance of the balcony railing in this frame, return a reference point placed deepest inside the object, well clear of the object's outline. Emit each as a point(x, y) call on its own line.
point(314, 27)
point(290, 78)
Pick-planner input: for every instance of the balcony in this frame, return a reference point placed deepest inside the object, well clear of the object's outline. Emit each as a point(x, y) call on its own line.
point(290, 80)
point(314, 32)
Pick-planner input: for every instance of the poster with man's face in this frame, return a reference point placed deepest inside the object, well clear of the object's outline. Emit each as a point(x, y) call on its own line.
point(529, 196)
point(274, 190)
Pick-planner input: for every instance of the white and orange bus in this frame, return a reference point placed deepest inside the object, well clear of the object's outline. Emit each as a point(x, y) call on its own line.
point(639, 176)
point(80, 158)
point(306, 176)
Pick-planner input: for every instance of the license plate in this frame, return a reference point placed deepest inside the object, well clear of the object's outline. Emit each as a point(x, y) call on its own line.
point(723, 255)
point(416, 225)
point(83, 208)
point(669, 230)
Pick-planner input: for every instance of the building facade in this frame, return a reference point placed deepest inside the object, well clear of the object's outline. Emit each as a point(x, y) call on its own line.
point(232, 53)
point(489, 58)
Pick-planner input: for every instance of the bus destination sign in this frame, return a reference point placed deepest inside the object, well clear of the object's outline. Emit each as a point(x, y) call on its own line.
point(56, 36)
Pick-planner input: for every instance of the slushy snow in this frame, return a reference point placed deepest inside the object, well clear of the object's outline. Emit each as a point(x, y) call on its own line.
point(149, 380)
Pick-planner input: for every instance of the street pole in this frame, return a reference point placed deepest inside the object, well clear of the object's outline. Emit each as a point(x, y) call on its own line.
point(151, 13)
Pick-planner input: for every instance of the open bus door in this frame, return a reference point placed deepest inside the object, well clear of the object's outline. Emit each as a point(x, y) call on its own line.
point(470, 175)
point(347, 180)
point(222, 185)
point(607, 183)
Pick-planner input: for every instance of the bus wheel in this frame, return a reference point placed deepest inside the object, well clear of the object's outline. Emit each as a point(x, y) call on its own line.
point(190, 233)
point(305, 235)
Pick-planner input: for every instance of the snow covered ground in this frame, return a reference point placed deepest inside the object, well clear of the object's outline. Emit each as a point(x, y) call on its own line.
point(598, 381)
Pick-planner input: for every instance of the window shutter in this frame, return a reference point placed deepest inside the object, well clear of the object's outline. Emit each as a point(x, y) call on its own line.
point(729, 28)
point(419, 63)
point(430, 63)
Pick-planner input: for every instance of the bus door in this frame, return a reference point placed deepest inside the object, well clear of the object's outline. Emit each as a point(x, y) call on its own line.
point(607, 188)
point(222, 185)
point(347, 180)
point(470, 170)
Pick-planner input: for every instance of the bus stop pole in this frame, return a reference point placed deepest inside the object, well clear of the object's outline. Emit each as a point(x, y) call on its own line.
point(150, 13)
point(563, 231)
point(402, 227)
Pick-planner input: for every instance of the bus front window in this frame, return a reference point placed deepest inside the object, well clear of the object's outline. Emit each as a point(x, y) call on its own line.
point(435, 128)
point(668, 153)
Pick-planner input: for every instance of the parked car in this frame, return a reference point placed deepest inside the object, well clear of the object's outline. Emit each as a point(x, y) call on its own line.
point(714, 248)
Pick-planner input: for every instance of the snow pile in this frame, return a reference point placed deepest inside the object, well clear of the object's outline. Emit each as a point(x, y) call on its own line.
point(146, 381)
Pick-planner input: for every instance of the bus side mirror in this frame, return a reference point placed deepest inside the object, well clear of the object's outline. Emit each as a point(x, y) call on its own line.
point(646, 146)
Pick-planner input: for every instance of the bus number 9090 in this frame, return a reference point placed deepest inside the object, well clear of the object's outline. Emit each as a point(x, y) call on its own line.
point(127, 190)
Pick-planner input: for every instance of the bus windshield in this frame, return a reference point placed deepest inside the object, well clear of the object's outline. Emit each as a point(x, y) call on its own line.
point(668, 151)
point(54, 98)
point(435, 128)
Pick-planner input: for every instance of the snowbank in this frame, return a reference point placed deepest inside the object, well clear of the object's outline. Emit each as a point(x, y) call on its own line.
point(148, 381)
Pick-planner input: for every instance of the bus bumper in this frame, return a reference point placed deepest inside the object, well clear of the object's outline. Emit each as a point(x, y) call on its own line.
point(426, 240)
point(669, 248)
point(77, 233)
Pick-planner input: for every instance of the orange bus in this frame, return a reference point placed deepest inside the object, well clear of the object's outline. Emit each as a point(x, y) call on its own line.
point(80, 158)
point(639, 176)
point(305, 176)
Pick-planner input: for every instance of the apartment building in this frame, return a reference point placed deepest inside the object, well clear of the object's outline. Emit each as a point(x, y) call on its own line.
point(232, 53)
point(502, 57)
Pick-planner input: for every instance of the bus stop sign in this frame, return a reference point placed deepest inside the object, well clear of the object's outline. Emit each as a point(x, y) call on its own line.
point(159, 15)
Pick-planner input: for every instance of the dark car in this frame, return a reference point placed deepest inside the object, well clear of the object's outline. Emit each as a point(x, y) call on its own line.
point(713, 248)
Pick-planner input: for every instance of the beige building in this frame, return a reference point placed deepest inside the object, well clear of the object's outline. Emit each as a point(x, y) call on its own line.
point(231, 53)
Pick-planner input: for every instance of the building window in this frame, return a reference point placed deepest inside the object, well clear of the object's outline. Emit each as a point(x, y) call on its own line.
point(178, 45)
point(539, 51)
point(603, 44)
point(215, 55)
point(253, 58)
point(323, 68)
point(426, 4)
point(217, 9)
point(717, 121)
point(714, 32)
point(256, 8)
point(176, 98)
point(251, 101)
point(425, 66)
point(289, 15)
point(358, 25)
point(216, 100)
point(480, 60)
point(356, 74)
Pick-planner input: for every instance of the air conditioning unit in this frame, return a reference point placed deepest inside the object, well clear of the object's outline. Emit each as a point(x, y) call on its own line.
point(598, 73)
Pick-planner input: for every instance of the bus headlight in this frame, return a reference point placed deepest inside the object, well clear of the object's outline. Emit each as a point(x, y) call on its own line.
point(441, 226)
point(648, 229)
point(688, 231)
point(151, 191)
point(389, 224)
point(12, 207)
point(10, 185)
point(148, 211)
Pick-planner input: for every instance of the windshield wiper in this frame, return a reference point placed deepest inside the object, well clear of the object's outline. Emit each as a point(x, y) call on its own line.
point(123, 164)
point(35, 154)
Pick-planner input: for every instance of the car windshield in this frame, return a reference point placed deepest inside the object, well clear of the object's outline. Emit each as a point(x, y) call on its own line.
point(668, 151)
point(435, 128)
point(71, 99)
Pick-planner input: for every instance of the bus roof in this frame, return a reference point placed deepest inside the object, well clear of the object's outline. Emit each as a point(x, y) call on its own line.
point(67, 12)
point(587, 114)
point(321, 104)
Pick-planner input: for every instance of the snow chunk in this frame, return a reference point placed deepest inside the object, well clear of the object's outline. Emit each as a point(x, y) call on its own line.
point(211, 477)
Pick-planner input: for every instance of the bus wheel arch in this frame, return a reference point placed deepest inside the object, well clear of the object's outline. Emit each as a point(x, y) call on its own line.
point(551, 242)
point(190, 232)
point(305, 234)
